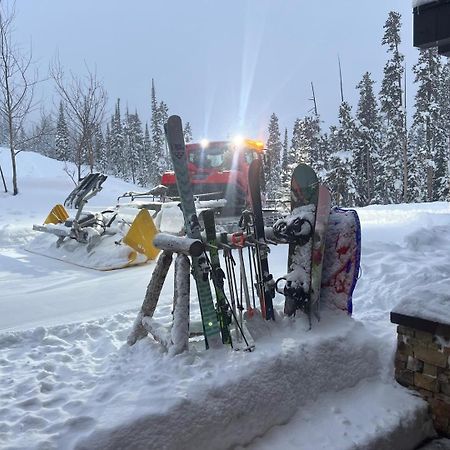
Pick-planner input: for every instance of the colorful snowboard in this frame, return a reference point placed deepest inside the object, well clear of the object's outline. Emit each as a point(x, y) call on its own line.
point(341, 259)
point(318, 250)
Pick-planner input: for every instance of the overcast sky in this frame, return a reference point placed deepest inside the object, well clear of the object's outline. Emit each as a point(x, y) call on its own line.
point(223, 65)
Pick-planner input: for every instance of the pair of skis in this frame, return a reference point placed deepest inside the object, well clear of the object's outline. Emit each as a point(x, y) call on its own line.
point(215, 322)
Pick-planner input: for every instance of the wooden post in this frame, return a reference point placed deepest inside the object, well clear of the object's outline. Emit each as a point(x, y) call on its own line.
point(177, 244)
point(180, 326)
point(151, 297)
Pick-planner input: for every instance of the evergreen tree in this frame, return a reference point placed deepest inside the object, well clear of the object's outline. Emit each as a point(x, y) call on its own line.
point(158, 140)
point(187, 133)
point(62, 136)
point(146, 173)
point(273, 159)
point(341, 176)
point(430, 137)
point(100, 150)
point(285, 172)
point(299, 151)
point(305, 144)
point(108, 151)
point(368, 140)
point(138, 163)
point(442, 188)
point(323, 161)
point(163, 112)
point(118, 161)
point(393, 153)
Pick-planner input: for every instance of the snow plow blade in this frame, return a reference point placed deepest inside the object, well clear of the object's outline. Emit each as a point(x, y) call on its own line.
point(115, 246)
point(141, 234)
point(57, 215)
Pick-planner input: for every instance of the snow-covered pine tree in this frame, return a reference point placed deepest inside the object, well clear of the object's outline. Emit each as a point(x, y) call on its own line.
point(305, 144)
point(272, 170)
point(442, 189)
point(108, 151)
point(341, 176)
point(163, 112)
point(187, 132)
point(158, 140)
point(118, 163)
point(430, 137)
point(368, 140)
point(100, 152)
point(323, 161)
point(393, 114)
point(129, 169)
point(147, 173)
point(136, 149)
point(62, 150)
point(285, 172)
point(299, 151)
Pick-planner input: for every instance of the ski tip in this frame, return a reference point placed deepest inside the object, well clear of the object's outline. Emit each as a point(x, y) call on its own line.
point(174, 119)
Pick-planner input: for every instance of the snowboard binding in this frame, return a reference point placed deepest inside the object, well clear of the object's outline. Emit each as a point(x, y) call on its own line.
point(298, 231)
point(295, 296)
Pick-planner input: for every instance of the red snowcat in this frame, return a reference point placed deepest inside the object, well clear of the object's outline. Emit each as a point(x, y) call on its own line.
point(219, 170)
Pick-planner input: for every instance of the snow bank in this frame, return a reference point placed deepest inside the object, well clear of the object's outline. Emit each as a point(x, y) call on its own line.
point(422, 2)
point(78, 386)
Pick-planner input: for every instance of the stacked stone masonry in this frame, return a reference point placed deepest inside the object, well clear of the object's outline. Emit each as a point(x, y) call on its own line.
point(422, 363)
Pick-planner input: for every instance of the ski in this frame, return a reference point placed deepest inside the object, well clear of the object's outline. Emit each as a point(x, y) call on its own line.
point(217, 276)
point(298, 229)
point(200, 267)
point(265, 281)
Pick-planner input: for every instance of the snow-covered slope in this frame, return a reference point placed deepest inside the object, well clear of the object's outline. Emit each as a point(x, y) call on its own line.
point(68, 379)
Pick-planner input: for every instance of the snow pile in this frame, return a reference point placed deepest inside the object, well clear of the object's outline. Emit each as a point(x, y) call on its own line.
point(416, 3)
point(79, 386)
point(68, 380)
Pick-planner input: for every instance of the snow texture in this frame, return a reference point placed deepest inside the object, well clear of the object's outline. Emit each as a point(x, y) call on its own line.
point(68, 380)
point(416, 3)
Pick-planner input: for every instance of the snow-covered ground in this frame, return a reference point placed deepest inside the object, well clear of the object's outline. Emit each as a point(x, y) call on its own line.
point(68, 379)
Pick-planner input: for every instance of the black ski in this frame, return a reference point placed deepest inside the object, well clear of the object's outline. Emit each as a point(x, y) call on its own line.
point(265, 281)
point(200, 266)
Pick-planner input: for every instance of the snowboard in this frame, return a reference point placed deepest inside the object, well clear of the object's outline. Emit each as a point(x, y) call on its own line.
point(318, 247)
point(298, 230)
point(341, 259)
point(200, 266)
point(265, 281)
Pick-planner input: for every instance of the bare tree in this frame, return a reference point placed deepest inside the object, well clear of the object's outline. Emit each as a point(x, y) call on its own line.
point(85, 99)
point(16, 85)
point(3, 179)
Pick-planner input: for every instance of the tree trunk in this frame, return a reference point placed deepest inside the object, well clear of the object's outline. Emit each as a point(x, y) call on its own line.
point(3, 179)
point(14, 172)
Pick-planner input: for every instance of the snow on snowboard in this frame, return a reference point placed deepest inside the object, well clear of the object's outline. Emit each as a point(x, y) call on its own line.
point(324, 248)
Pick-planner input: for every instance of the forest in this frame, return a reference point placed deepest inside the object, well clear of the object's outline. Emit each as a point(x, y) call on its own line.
point(370, 155)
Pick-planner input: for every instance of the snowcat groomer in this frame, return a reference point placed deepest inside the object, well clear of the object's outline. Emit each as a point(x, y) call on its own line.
point(219, 170)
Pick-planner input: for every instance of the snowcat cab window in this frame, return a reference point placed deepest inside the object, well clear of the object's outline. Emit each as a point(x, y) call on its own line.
point(219, 158)
point(250, 156)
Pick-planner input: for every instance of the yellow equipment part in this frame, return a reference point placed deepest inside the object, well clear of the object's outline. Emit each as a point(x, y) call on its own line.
point(140, 236)
point(57, 215)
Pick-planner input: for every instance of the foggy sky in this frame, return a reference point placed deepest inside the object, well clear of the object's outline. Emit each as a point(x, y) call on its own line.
point(225, 66)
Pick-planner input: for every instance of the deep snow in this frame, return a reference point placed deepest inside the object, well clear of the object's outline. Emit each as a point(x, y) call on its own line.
point(68, 379)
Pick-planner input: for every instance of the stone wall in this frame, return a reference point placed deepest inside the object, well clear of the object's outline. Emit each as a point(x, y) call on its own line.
point(422, 363)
